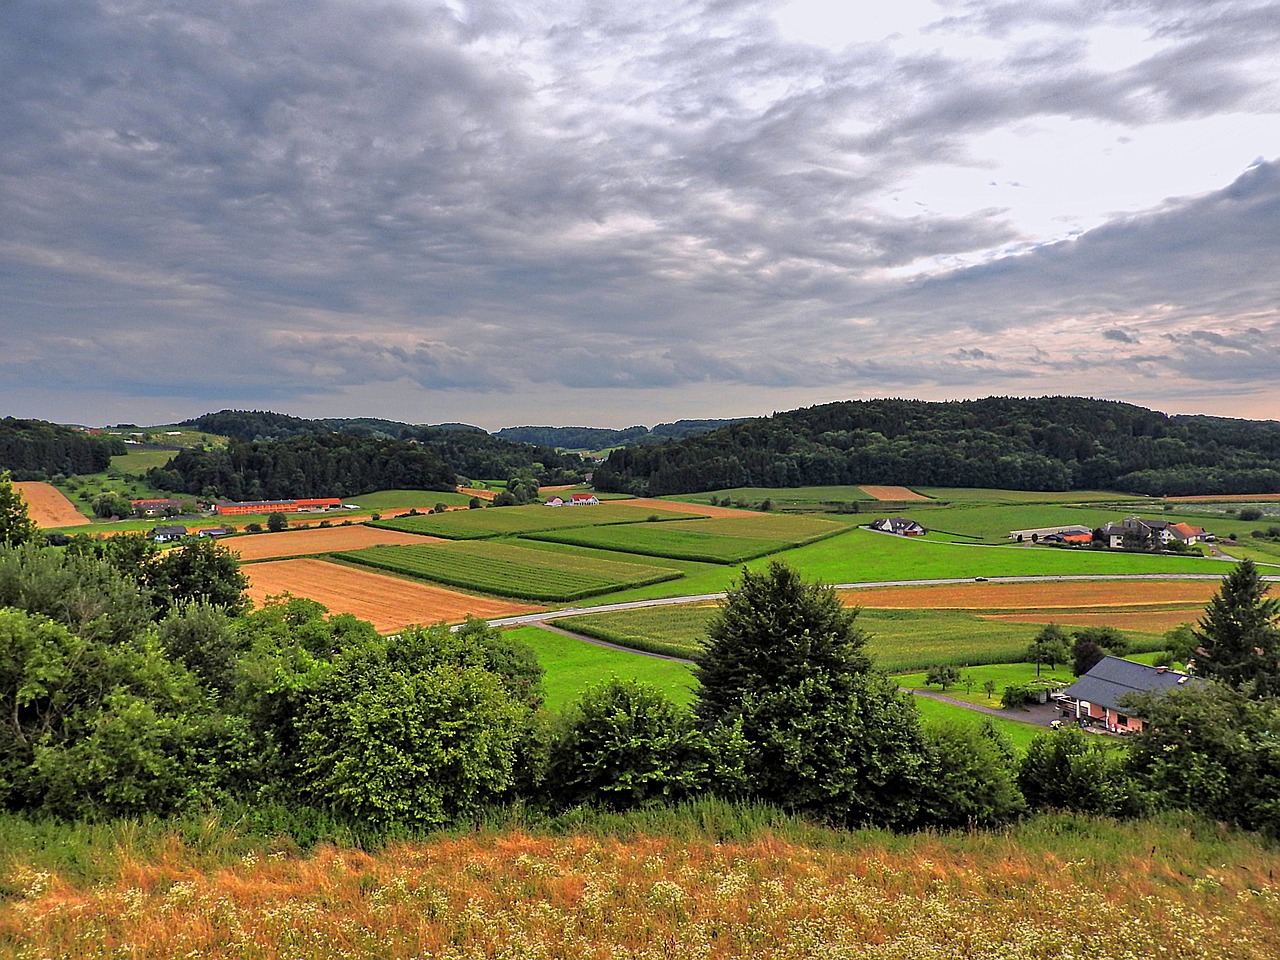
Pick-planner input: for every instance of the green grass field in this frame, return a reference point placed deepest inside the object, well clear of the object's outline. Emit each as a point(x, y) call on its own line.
point(983, 495)
point(813, 496)
point(507, 570)
point(137, 462)
point(970, 690)
point(720, 540)
point(508, 521)
point(1020, 733)
point(574, 665)
point(901, 640)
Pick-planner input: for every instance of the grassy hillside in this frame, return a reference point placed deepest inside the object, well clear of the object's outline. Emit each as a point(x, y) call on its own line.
point(707, 880)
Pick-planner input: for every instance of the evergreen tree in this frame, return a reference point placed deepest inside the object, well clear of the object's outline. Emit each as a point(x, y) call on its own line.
point(1239, 637)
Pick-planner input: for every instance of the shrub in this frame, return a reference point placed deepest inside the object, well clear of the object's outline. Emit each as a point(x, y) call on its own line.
point(1016, 695)
point(1250, 513)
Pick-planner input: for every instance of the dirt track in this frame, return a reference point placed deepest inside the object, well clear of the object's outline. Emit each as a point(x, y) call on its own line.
point(388, 602)
point(891, 493)
point(297, 543)
point(47, 505)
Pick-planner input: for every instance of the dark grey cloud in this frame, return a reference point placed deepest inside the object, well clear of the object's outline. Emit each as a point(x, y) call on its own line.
point(485, 203)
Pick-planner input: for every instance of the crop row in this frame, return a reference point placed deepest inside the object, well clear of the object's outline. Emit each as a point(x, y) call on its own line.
point(508, 521)
point(511, 571)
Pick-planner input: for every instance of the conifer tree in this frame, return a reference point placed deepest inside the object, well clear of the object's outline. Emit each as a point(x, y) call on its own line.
point(1238, 636)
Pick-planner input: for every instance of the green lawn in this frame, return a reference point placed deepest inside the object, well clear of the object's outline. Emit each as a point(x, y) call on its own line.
point(1019, 732)
point(508, 570)
point(574, 665)
point(507, 521)
point(721, 540)
point(970, 690)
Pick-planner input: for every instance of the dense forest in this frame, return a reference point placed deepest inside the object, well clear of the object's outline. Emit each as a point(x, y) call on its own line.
point(598, 438)
point(329, 465)
point(1048, 443)
point(465, 450)
point(36, 450)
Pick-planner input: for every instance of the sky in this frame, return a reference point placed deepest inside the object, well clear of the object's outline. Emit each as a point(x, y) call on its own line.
point(604, 213)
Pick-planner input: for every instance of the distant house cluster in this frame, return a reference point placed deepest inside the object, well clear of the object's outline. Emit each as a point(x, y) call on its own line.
point(575, 500)
point(1118, 535)
point(230, 508)
point(163, 507)
point(898, 525)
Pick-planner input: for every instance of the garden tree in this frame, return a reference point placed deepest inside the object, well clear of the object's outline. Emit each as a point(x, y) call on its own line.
point(411, 730)
point(1085, 656)
point(200, 569)
point(1049, 646)
point(1211, 749)
point(970, 777)
point(1239, 635)
point(989, 688)
point(1068, 770)
point(944, 675)
point(277, 522)
point(16, 525)
point(84, 593)
point(623, 744)
point(823, 732)
point(92, 728)
point(111, 505)
point(1091, 644)
point(1180, 643)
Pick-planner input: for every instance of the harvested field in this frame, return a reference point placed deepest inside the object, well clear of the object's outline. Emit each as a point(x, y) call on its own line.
point(891, 493)
point(389, 603)
point(478, 493)
point(312, 540)
point(48, 506)
point(679, 506)
point(1050, 595)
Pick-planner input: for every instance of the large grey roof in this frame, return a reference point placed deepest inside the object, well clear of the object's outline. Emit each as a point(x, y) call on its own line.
point(1112, 678)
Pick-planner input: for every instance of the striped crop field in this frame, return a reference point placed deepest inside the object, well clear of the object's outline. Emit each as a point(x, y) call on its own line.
point(722, 540)
point(507, 570)
point(509, 521)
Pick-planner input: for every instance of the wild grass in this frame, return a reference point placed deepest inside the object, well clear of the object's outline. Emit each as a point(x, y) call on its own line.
point(574, 665)
point(506, 570)
point(707, 880)
point(508, 521)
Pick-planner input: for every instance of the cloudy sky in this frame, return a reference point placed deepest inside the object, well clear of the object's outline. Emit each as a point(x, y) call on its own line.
point(604, 212)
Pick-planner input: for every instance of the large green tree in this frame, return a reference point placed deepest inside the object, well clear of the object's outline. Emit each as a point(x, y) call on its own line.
point(1238, 636)
point(16, 525)
point(784, 663)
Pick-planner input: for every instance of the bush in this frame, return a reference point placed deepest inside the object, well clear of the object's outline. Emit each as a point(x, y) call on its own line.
point(1070, 770)
point(1016, 695)
point(1250, 513)
point(971, 778)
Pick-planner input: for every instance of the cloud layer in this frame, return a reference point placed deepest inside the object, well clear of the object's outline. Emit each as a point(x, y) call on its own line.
point(595, 212)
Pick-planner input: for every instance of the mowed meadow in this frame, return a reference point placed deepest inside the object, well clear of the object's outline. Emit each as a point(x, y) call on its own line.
point(707, 881)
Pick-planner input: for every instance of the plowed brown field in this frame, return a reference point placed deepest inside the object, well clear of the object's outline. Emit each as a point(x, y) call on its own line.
point(1048, 595)
point(388, 602)
point(679, 506)
point(478, 494)
point(891, 493)
point(297, 543)
point(47, 505)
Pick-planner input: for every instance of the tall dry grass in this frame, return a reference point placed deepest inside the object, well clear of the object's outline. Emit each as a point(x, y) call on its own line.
point(615, 887)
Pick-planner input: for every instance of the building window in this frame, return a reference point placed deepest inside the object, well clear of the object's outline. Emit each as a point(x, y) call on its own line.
point(1122, 720)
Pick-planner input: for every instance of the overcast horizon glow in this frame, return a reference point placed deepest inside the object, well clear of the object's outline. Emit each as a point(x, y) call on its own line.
point(603, 214)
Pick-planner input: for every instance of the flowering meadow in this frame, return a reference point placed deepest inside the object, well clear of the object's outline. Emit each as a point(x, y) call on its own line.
point(1053, 887)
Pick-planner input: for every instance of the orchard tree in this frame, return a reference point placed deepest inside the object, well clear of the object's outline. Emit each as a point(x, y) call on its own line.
point(16, 525)
point(1049, 647)
point(1239, 635)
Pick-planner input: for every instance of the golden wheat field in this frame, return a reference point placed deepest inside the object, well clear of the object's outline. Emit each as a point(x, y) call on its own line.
point(535, 898)
point(312, 540)
point(48, 506)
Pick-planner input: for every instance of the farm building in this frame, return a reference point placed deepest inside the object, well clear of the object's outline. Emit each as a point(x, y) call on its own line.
point(583, 499)
point(1095, 697)
point(167, 534)
point(897, 525)
point(156, 508)
point(1039, 533)
point(229, 508)
point(555, 502)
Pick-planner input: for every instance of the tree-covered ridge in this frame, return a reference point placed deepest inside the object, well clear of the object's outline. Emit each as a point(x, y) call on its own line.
point(1047, 443)
point(330, 465)
point(597, 438)
point(468, 451)
point(36, 450)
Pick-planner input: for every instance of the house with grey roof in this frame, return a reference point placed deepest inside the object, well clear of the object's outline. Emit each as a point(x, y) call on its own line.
point(897, 525)
point(1096, 697)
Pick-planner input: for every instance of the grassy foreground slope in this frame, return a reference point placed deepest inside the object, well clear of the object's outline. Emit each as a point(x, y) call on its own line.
point(710, 880)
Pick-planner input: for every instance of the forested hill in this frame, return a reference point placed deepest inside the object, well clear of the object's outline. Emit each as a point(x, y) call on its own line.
point(275, 455)
point(36, 450)
point(1047, 443)
point(597, 438)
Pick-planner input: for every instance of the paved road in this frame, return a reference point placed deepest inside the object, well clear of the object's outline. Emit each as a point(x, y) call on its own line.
point(534, 618)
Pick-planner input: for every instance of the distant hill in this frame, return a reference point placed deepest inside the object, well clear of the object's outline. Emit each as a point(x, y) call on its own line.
point(600, 438)
point(1047, 443)
point(38, 450)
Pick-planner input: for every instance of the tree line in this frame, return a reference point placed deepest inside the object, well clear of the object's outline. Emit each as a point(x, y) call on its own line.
point(36, 450)
point(1049, 443)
